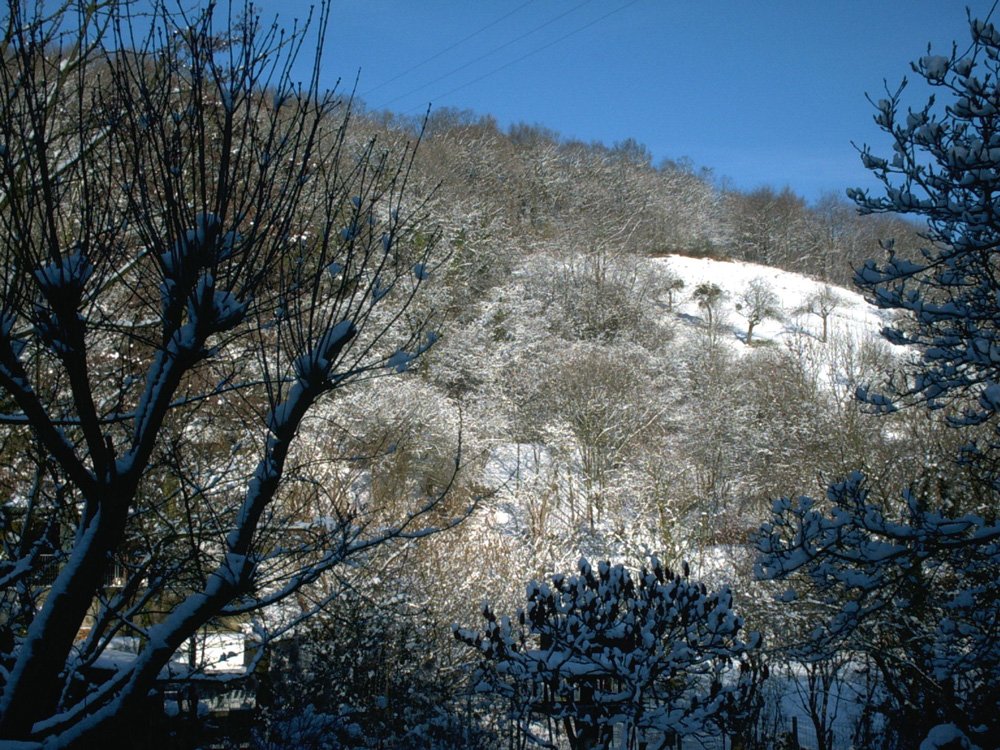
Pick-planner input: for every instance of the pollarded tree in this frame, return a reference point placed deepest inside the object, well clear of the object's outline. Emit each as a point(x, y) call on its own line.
point(671, 284)
point(757, 303)
point(709, 297)
point(653, 653)
point(194, 254)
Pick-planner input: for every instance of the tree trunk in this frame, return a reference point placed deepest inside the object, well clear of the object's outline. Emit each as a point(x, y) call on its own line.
point(33, 688)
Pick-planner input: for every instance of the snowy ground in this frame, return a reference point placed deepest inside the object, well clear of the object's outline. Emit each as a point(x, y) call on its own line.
point(853, 315)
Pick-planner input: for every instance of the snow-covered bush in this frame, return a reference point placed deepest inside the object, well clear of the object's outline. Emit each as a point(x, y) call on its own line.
point(600, 296)
point(651, 653)
point(370, 672)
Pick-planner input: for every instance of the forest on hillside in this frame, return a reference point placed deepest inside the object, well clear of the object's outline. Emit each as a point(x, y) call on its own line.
point(325, 427)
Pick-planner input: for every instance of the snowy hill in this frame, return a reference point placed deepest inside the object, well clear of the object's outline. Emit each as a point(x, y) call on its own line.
point(851, 315)
point(712, 428)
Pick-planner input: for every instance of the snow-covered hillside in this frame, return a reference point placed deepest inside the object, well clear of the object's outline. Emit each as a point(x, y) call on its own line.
point(713, 427)
point(851, 315)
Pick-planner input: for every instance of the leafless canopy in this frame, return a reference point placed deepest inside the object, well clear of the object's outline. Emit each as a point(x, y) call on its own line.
point(194, 253)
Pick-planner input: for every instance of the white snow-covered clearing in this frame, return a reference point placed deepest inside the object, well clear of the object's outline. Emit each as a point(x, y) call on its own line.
point(852, 315)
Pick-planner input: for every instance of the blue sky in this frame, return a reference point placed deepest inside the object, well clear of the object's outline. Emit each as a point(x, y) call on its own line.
point(762, 92)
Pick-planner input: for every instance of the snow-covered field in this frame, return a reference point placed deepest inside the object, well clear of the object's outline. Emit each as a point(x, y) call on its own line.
point(853, 315)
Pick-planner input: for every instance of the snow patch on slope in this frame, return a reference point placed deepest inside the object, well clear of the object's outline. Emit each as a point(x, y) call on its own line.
point(853, 316)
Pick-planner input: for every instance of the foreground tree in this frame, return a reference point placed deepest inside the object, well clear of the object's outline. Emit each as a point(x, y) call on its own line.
point(914, 589)
point(194, 254)
point(653, 653)
point(912, 582)
point(944, 168)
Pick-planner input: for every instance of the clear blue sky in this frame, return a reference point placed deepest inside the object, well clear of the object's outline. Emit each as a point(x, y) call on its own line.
point(762, 92)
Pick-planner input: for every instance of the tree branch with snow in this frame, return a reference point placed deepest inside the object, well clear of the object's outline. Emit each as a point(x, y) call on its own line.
point(197, 254)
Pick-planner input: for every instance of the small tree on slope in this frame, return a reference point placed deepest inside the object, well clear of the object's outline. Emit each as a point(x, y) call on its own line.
point(822, 304)
point(757, 303)
point(194, 254)
point(709, 297)
point(913, 586)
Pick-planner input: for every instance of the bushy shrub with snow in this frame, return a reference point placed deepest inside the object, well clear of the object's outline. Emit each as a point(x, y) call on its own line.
point(370, 672)
point(651, 653)
point(600, 296)
point(305, 728)
point(913, 588)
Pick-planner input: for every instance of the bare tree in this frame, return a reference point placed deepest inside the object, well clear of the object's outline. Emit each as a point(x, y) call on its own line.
point(768, 227)
point(822, 303)
point(757, 303)
point(605, 397)
point(195, 254)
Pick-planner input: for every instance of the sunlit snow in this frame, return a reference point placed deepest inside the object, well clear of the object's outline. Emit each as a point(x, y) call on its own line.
point(853, 315)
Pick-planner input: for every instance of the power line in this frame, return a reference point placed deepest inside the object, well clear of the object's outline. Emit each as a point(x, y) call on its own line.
point(459, 43)
point(536, 50)
point(462, 67)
